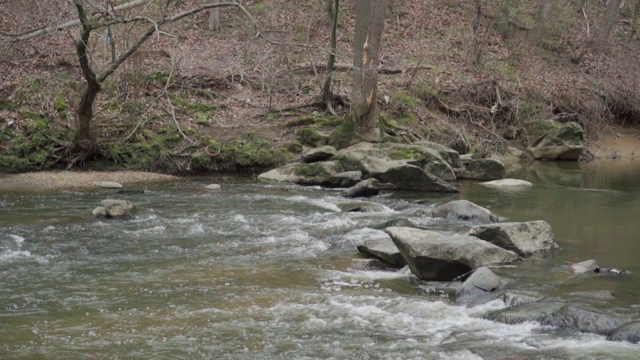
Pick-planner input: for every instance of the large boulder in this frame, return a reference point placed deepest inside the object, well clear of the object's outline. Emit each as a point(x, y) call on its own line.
point(319, 154)
point(523, 238)
point(114, 209)
point(558, 314)
point(551, 140)
point(484, 169)
point(327, 173)
point(383, 249)
point(464, 210)
point(435, 256)
point(407, 166)
point(629, 332)
point(449, 155)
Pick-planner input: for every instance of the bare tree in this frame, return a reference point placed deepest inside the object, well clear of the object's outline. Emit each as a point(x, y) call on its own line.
point(366, 45)
point(327, 94)
point(92, 18)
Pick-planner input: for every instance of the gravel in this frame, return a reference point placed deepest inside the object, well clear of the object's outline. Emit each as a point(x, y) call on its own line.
point(50, 180)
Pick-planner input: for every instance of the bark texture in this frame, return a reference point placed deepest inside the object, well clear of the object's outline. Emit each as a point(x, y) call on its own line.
point(366, 57)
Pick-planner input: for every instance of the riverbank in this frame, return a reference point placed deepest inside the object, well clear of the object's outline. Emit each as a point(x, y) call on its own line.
point(58, 180)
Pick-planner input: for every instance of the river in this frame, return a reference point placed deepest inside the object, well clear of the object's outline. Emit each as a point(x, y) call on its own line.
point(266, 271)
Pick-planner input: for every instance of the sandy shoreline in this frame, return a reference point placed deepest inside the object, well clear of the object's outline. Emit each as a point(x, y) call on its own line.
point(57, 180)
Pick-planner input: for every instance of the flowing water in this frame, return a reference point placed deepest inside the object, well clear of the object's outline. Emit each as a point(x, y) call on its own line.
point(263, 271)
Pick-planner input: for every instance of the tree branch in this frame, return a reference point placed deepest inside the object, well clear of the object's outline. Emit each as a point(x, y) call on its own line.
point(49, 29)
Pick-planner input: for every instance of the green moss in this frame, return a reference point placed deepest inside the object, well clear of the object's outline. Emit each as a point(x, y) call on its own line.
point(404, 107)
point(61, 104)
point(344, 134)
point(301, 122)
point(406, 154)
point(11, 164)
point(202, 119)
point(311, 137)
point(425, 90)
point(310, 170)
point(294, 147)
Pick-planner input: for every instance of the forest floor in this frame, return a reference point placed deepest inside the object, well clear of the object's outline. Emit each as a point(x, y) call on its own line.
point(248, 97)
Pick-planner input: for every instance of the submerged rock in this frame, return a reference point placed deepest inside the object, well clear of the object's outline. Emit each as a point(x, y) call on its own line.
point(524, 238)
point(629, 332)
point(464, 210)
point(558, 314)
point(435, 256)
point(371, 264)
point(507, 183)
point(361, 207)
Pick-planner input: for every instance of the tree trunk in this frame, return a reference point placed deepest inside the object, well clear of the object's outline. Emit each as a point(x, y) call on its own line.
point(368, 31)
point(327, 94)
point(214, 18)
point(610, 17)
point(89, 93)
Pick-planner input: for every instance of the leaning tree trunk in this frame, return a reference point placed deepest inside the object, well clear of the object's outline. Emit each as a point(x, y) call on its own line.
point(366, 44)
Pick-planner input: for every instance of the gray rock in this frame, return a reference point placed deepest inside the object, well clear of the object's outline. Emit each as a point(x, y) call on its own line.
point(371, 264)
point(402, 165)
point(464, 210)
point(550, 140)
point(507, 183)
point(319, 154)
point(629, 332)
point(518, 297)
point(435, 256)
point(327, 173)
point(365, 188)
point(111, 208)
point(466, 159)
point(99, 212)
point(383, 249)
point(361, 207)
point(411, 177)
point(524, 238)
point(478, 287)
point(449, 155)
point(585, 267)
point(558, 314)
point(484, 169)
point(109, 184)
point(213, 187)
